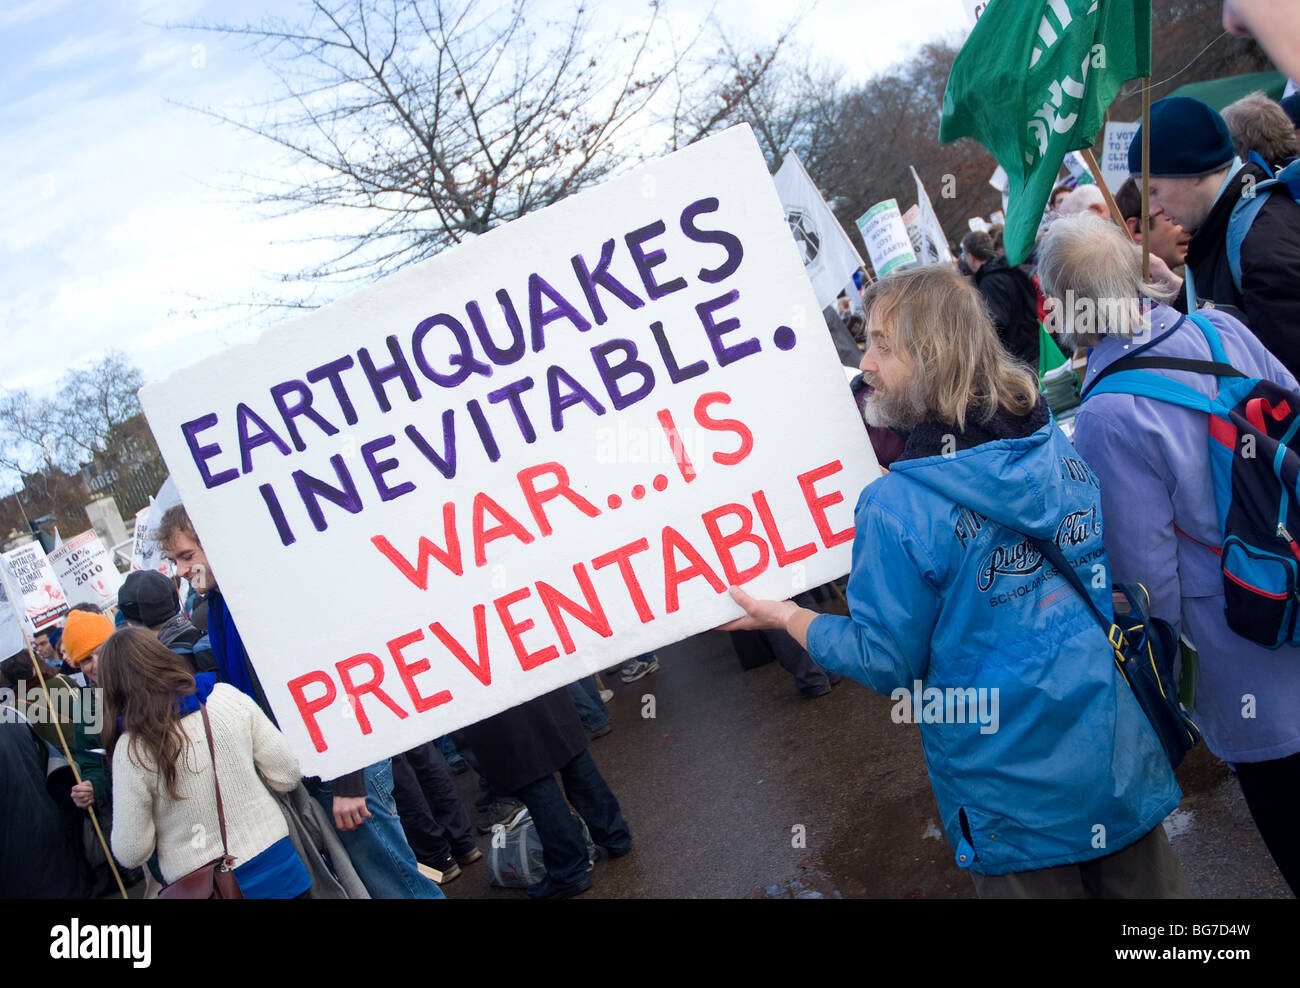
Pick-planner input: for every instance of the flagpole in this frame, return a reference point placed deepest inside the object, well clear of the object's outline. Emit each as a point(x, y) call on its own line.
point(1146, 179)
point(1097, 177)
point(63, 741)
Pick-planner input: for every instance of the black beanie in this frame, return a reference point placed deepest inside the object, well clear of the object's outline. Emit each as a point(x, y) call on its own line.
point(149, 598)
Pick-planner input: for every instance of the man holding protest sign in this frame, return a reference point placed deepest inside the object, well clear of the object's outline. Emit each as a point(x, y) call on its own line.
point(361, 802)
point(1056, 785)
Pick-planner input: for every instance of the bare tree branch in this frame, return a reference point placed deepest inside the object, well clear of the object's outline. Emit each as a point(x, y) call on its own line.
point(431, 121)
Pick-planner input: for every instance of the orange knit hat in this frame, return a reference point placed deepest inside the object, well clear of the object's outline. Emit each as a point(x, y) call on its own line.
point(83, 633)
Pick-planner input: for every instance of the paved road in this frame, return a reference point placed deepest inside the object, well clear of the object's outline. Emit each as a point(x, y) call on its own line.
point(715, 786)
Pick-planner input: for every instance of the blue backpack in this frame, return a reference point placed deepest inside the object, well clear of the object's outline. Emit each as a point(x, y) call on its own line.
point(1255, 469)
point(1243, 215)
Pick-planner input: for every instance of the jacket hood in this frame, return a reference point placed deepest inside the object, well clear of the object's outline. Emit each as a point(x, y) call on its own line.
point(178, 629)
point(992, 266)
point(995, 468)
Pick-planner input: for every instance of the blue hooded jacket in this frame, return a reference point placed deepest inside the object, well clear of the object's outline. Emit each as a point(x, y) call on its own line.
point(1059, 765)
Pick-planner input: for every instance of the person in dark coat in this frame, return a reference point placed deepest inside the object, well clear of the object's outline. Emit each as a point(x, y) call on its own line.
point(37, 858)
point(1008, 293)
point(519, 751)
point(1196, 180)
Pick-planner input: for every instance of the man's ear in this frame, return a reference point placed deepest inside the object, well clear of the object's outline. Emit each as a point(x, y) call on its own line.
point(1134, 225)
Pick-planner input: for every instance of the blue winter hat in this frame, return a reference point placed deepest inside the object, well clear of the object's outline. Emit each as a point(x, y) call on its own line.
point(1188, 139)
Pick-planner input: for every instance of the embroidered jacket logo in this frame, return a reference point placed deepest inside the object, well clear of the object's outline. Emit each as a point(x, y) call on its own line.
point(1078, 527)
point(1022, 559)
point(1017, 560)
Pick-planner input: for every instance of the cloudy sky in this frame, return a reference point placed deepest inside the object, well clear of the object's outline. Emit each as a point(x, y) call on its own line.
point(122, 230)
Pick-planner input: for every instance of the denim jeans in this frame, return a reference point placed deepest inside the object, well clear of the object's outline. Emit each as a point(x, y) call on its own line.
point(564, 852)
point(591, 709)
point(378, 848)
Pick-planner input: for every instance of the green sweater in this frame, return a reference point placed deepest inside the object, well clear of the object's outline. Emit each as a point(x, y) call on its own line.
point(78, 708)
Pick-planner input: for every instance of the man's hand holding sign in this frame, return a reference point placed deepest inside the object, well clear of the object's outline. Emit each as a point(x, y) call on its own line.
point(544, 451)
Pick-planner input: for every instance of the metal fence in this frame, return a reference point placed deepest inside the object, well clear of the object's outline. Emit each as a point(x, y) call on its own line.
point(131, 488)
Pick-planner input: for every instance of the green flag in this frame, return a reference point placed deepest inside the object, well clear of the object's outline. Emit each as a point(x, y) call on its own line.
point(1033, 82)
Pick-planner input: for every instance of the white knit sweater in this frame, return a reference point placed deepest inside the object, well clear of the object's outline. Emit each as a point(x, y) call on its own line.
point(186, 831)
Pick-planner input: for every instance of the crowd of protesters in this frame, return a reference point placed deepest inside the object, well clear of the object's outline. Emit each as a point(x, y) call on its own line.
point(985, 477)
point(188, 766)
point(181, 763)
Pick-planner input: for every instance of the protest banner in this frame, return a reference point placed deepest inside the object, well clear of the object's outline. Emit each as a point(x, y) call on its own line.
point(86, 571)
point(829, 256)
point(934, 240)
point(1002, 184)
point(974, 8)
point(35, 586)
point(886, 237)
point(1077, 172)
point(912, 224)
point(1114, 157)
point(1032, 84)
point(145, 552)
point(544, 451)
point(12, 640)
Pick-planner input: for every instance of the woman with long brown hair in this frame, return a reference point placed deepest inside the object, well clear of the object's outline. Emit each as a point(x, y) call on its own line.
point(164, 791)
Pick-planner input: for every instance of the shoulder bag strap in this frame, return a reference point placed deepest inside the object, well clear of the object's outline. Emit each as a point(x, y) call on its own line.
point(221, 813)
point(1053, 554)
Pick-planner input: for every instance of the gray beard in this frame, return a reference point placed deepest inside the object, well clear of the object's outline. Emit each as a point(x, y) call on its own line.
point(893, 410)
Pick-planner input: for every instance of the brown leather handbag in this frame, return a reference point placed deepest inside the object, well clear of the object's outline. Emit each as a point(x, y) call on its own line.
point(216, 879)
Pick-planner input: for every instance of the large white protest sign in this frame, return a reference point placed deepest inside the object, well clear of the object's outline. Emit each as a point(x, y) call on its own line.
point(886, 237)
point(35, 587)
point(86, 571)
point(537, 454)
point(829, 256)
point(1114, 155)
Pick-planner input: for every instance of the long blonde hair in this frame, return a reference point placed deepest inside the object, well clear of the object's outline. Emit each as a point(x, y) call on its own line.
point(939, 320)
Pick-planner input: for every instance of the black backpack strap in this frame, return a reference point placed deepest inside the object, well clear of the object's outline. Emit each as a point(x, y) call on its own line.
point(1168, 363)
